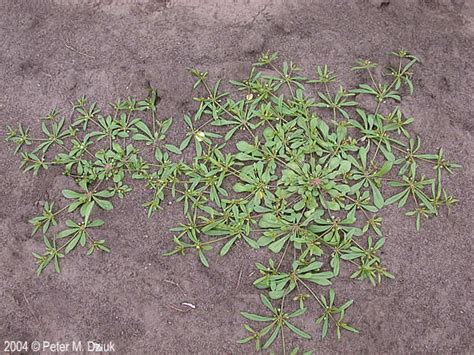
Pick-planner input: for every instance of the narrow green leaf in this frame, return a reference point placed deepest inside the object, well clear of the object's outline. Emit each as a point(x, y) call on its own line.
point(173, 149)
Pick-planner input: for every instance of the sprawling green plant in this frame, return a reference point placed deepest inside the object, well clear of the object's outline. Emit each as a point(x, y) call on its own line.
point(304, 175)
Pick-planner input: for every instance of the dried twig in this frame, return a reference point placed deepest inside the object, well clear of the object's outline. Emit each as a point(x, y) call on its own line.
point(31, 308)
point(177, 285)
point(190, 305)
point(240, 277)
point(77, 51)
point(177, 309)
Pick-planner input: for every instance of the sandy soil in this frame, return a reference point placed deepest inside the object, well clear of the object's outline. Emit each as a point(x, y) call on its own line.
point(124, 297)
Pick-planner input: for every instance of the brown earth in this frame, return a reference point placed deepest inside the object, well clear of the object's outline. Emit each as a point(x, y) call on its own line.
point(124, 297)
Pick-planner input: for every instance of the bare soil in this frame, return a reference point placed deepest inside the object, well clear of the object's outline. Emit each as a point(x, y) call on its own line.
point(52, 52)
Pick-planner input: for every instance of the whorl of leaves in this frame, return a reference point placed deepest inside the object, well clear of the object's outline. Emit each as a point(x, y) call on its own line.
point(291, 164)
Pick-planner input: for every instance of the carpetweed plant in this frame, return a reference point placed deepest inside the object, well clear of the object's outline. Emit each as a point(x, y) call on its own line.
point(291, 164)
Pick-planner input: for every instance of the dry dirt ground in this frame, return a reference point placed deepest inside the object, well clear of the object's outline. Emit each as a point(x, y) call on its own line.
point(126, 44)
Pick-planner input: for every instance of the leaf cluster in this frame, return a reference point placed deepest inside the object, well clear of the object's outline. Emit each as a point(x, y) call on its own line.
point(273, 166)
